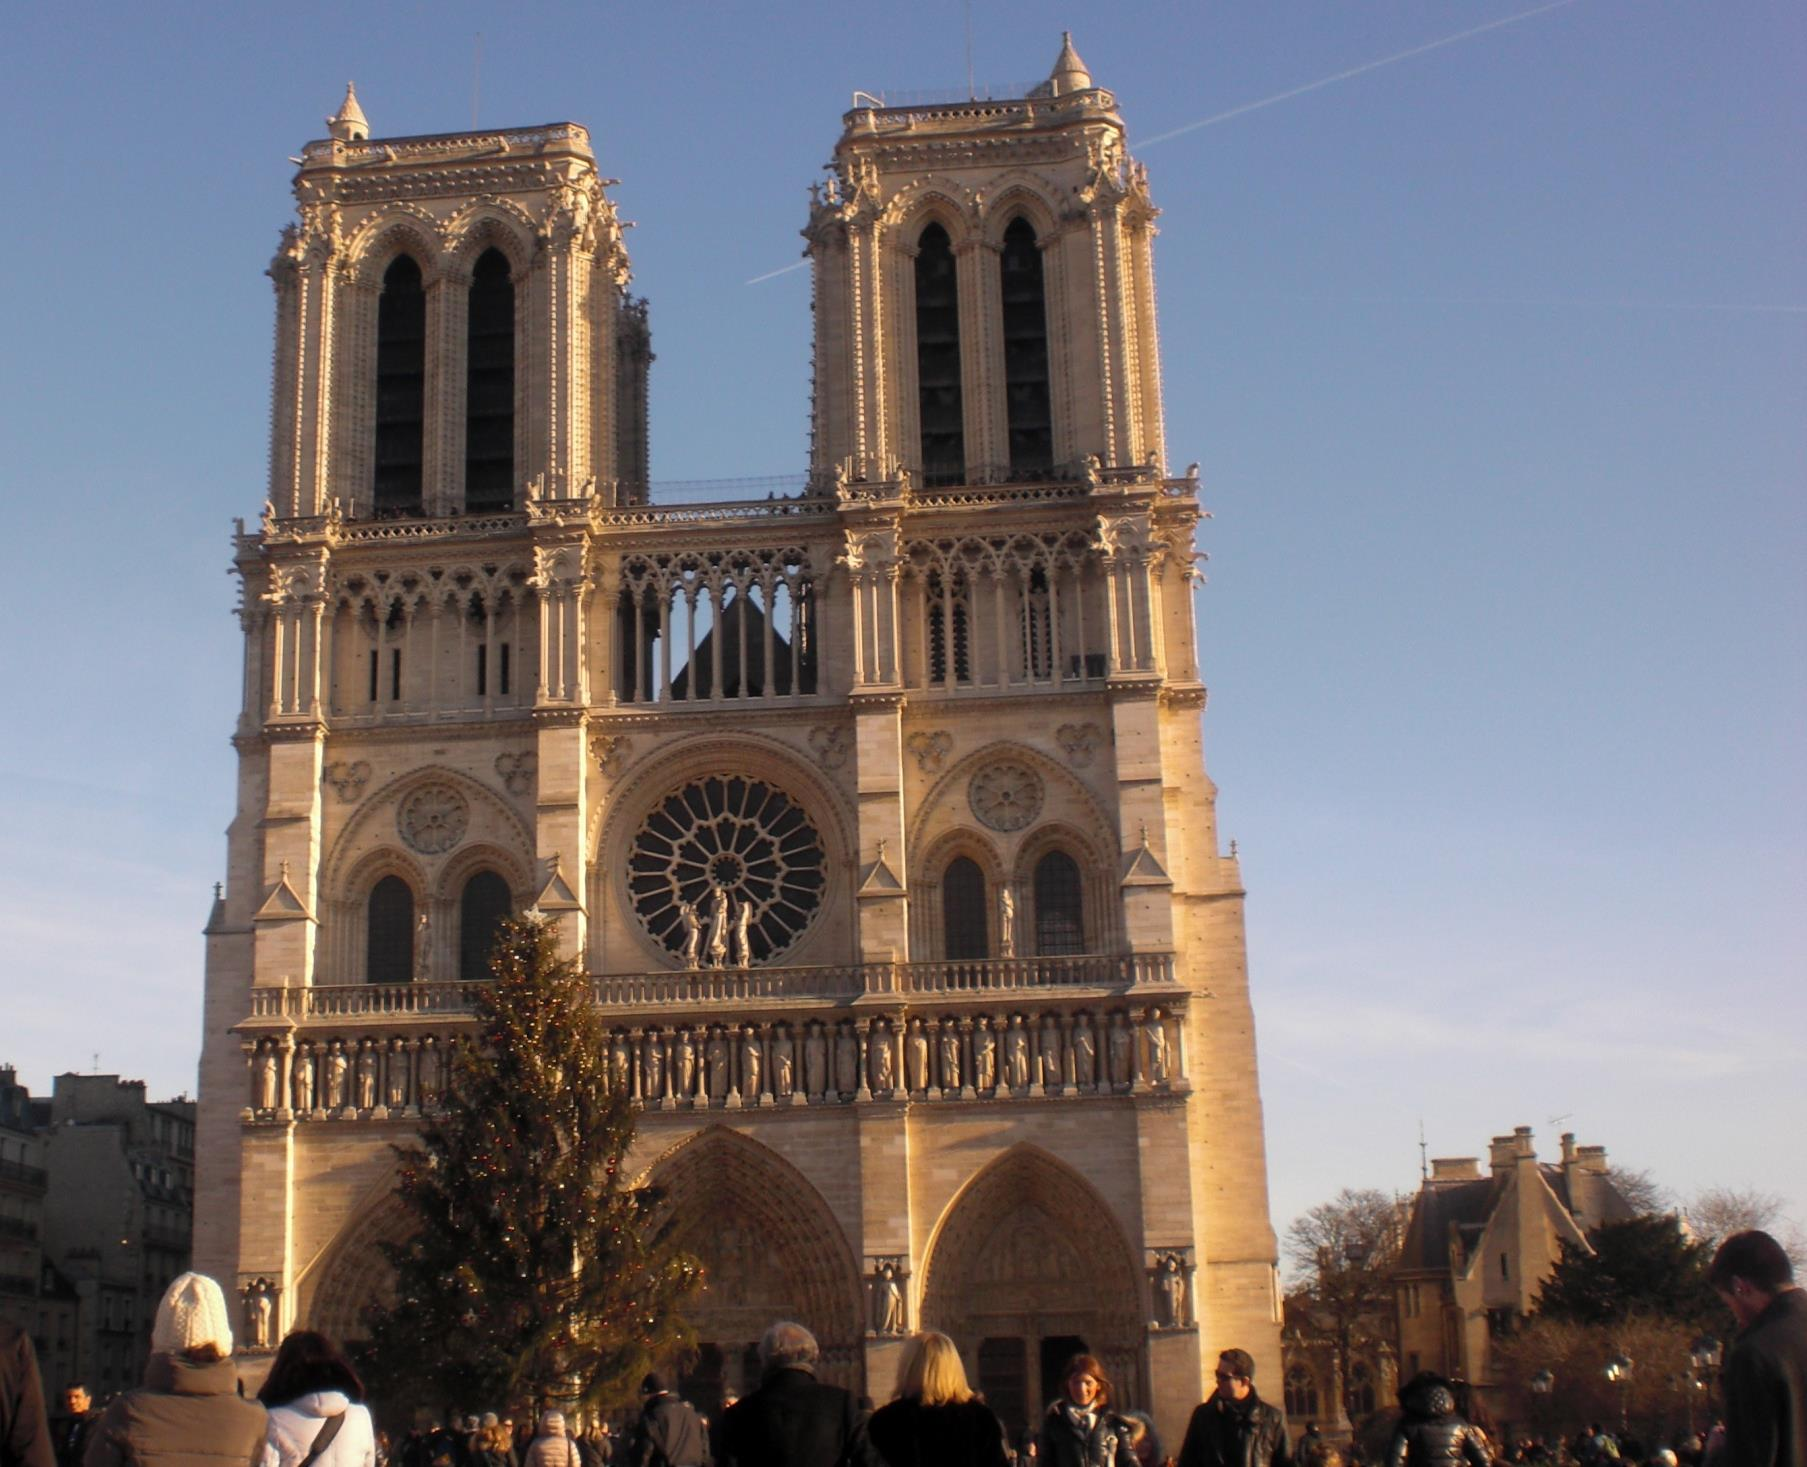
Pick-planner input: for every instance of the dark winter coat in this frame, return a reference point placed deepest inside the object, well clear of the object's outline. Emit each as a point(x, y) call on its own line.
point(792, 1421)
point(71, 1436)
point(1065, 1442)
point(186, 1414)
point(670, 1434)
point(24, 1428)
point(1432, 1434)
point(907, 1433)
point(1766, 1387)
point(1229, 1433)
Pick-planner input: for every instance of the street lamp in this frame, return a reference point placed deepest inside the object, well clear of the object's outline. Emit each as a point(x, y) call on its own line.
point(1618, 1372)
point(1705, 1358)
point(1541, 1385)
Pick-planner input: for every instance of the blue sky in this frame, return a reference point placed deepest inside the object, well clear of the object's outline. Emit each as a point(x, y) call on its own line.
point(1493, 357)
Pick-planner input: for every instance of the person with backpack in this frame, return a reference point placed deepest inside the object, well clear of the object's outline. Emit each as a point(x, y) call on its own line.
point(315, 1402)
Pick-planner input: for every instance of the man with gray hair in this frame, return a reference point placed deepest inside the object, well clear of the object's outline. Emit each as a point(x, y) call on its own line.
point(793, 1420)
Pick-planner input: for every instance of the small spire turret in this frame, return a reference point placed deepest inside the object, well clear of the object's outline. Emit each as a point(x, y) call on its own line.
point(1069, 74)
point(349, 125)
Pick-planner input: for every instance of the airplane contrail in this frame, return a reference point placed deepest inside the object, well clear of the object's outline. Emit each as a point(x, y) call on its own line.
point(774, 274)
point(1366, 66)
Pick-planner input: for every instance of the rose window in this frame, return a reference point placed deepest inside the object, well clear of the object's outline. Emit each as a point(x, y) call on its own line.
point(1006, 795)
point(721, 857)
point(433, 819)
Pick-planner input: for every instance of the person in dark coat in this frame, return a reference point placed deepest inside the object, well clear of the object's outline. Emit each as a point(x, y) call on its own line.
point(1080, 1429)
point(669, 1433)
point(1433, 1433)
point(71, 1432)
point(1765, 1377)
point(1235, 1428)
point(936, 1418)
point(188, 1411)
point(24, 1428)
point(792, 1420)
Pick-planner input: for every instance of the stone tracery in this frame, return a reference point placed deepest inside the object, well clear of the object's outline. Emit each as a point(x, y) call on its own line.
point(734, 855)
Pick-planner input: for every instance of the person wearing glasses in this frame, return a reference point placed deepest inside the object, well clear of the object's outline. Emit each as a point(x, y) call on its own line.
point(1236, 1428)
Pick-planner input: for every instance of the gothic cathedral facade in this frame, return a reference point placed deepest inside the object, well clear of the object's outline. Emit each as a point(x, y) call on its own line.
point(877, 811)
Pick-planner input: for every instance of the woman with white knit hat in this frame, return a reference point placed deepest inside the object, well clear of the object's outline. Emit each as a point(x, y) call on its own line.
point(188, 1412)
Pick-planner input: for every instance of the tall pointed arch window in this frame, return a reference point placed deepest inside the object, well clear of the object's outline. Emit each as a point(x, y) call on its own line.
point(1026, 399)
point(389, 932)
point(1059, 906)
point(484, 904)
point(963, 913)
point(489, 388)
point(401, 378)
point(1301, 1394)
point(938, 359)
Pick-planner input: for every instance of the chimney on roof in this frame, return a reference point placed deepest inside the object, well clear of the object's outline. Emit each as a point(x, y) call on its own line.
point(1455, 1169)
point(1568, 1148)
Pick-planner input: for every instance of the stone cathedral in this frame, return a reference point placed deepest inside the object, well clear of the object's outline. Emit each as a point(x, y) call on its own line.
point(876, 809)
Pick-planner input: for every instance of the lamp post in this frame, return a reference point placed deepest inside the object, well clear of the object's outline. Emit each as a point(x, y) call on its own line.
point(1705, 1358)
point(1618, 1372)
point(1541, 1385)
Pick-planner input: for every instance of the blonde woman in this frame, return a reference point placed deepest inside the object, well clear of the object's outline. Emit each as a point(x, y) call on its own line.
point(936, 1419)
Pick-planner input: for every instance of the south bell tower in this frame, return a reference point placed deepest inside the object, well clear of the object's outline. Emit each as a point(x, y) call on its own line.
point(877, 811)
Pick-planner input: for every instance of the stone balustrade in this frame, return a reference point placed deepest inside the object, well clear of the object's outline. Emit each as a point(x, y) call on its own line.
point(1054, 1046)
point(706, 987)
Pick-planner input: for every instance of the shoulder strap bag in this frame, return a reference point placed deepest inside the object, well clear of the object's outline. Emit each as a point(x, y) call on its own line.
point(323, 1439)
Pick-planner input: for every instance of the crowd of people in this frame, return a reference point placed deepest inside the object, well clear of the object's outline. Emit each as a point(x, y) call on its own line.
point(311, 1412)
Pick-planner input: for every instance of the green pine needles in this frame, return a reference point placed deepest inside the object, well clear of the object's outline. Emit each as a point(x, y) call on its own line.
point(535, 1274)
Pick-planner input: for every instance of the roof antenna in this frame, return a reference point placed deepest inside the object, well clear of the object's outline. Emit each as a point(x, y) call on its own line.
point(1424, 1166)
point(476, 76)
point(970, 93)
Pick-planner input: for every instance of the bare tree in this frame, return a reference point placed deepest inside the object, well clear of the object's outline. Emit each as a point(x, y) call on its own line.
point(1715, 1213)
point(1342, 1254)
point(1641, 1191)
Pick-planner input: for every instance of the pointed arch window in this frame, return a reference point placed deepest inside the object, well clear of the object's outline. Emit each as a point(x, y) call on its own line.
point(401, 378)
point(484, 904)
point(1059, 906)
point(949, 627)
point(1301, 1394)
point(489, 388)
point(938, 359)
point(1026, 398)
point(1361, 1391)
point(963, 924)
point(389, 932)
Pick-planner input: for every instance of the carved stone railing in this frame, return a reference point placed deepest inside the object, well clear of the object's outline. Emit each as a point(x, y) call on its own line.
point(712, 987)
point(1012, 975)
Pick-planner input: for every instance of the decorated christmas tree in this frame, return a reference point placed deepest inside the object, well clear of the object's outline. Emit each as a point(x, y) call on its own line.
point(535, 1275)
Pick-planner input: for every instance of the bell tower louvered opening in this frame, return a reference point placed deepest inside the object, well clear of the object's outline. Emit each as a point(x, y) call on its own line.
point(489, 388)
point(938, 360)
point(401, 375)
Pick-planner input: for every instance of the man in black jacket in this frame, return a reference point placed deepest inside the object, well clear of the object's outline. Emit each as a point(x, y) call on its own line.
point(670, 1434)
point(71, 1433)
point(1766, 1366)
point(792, 1420)
point(1236, 1428)
point(24, 1429)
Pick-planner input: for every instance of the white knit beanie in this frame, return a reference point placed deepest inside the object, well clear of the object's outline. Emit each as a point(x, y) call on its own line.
point(192, 1314)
